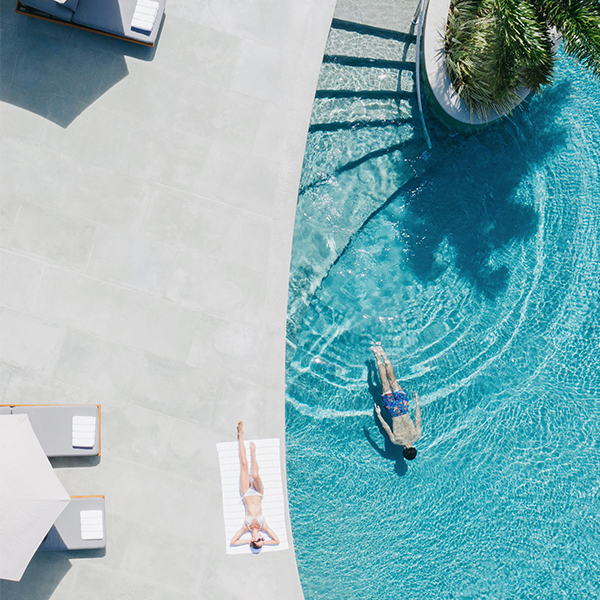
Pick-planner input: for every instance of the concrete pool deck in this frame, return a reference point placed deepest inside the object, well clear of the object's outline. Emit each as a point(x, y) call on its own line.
point(148, 200)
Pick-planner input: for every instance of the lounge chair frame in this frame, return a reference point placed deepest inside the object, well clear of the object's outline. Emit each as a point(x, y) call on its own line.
point(21, 9)
point(51, 544)
point(11, 406)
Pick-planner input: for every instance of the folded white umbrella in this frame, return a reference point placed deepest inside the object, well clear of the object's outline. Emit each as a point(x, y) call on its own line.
point(31, 496)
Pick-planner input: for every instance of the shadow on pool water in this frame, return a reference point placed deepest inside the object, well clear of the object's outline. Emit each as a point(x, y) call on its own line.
point(468, 198)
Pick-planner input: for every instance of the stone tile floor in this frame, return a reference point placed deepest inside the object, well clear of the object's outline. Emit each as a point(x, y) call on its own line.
point(148, 199)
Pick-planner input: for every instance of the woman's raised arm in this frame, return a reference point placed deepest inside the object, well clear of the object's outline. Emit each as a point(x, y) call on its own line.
point(236, 541)
point(274, 539)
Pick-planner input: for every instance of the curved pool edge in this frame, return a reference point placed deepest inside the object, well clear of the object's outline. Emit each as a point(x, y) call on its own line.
point(205, 199)
point(282, 568)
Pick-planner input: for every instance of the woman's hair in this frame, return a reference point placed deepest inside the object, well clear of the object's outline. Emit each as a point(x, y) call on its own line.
point(255, 546)
point(409, 453)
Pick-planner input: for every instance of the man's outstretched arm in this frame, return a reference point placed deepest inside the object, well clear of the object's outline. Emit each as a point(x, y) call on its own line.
point(384, 424)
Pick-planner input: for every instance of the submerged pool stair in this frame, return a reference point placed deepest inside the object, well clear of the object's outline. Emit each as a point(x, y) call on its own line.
point(364, 128)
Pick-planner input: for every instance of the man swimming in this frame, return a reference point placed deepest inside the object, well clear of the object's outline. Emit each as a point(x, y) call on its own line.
point(405, 432)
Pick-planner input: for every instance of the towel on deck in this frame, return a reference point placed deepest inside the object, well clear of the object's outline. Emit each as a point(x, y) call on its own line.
point(273, 506)
point(83, 432)
point(92, 526)
point(145, 15)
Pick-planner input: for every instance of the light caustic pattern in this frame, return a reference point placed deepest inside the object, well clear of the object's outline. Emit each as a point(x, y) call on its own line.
point(483, 283)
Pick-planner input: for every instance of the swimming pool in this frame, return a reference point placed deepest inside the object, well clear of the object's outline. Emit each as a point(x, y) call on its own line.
point(478, 268)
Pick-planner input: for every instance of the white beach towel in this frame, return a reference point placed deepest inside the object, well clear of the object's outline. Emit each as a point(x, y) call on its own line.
point(273, 507)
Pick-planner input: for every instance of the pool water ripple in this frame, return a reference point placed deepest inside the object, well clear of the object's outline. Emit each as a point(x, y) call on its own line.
point(481, 277)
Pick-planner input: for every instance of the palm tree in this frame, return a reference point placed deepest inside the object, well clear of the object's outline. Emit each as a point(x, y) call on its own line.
point(493, 47)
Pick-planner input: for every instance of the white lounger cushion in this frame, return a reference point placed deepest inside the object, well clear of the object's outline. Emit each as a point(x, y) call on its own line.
point(81, 526)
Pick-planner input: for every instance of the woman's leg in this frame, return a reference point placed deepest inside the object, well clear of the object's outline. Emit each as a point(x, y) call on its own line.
point(244, 476)
point(256, 480)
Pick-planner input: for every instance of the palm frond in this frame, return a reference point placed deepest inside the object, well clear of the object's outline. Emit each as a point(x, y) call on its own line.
point(579, 23)
point(492, 48)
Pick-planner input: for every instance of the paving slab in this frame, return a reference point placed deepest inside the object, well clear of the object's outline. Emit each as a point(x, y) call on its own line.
point(148, 199)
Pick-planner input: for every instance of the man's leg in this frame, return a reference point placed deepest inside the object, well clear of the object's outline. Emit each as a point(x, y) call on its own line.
point(389, 369)
point(385, 384)
point(244, 476)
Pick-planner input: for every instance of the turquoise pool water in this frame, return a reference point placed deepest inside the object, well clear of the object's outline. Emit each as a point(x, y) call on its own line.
point(478, 268)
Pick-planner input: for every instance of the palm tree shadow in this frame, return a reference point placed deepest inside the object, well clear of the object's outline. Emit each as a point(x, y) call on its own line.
point(389, 451)
point(469, 200)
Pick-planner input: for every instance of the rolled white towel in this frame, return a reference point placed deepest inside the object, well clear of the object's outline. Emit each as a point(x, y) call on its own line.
point(83, 432)
point(92, 527)
point(146, 10)
point(145, 15)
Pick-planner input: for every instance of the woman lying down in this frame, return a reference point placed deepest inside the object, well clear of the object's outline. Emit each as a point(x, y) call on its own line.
point(252, 490)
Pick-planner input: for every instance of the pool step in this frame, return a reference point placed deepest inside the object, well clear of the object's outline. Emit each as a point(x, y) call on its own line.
point(367, 82)
point(363, 138)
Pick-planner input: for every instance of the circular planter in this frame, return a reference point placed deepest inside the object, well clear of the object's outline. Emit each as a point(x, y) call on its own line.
point(446, 103)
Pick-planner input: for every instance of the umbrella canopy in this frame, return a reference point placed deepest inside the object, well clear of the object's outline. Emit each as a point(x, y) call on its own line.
point(31, 496)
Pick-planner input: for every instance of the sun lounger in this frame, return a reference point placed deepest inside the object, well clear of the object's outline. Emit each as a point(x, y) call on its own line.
point(81, 526)
point(132, 20)
point(64, 429)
